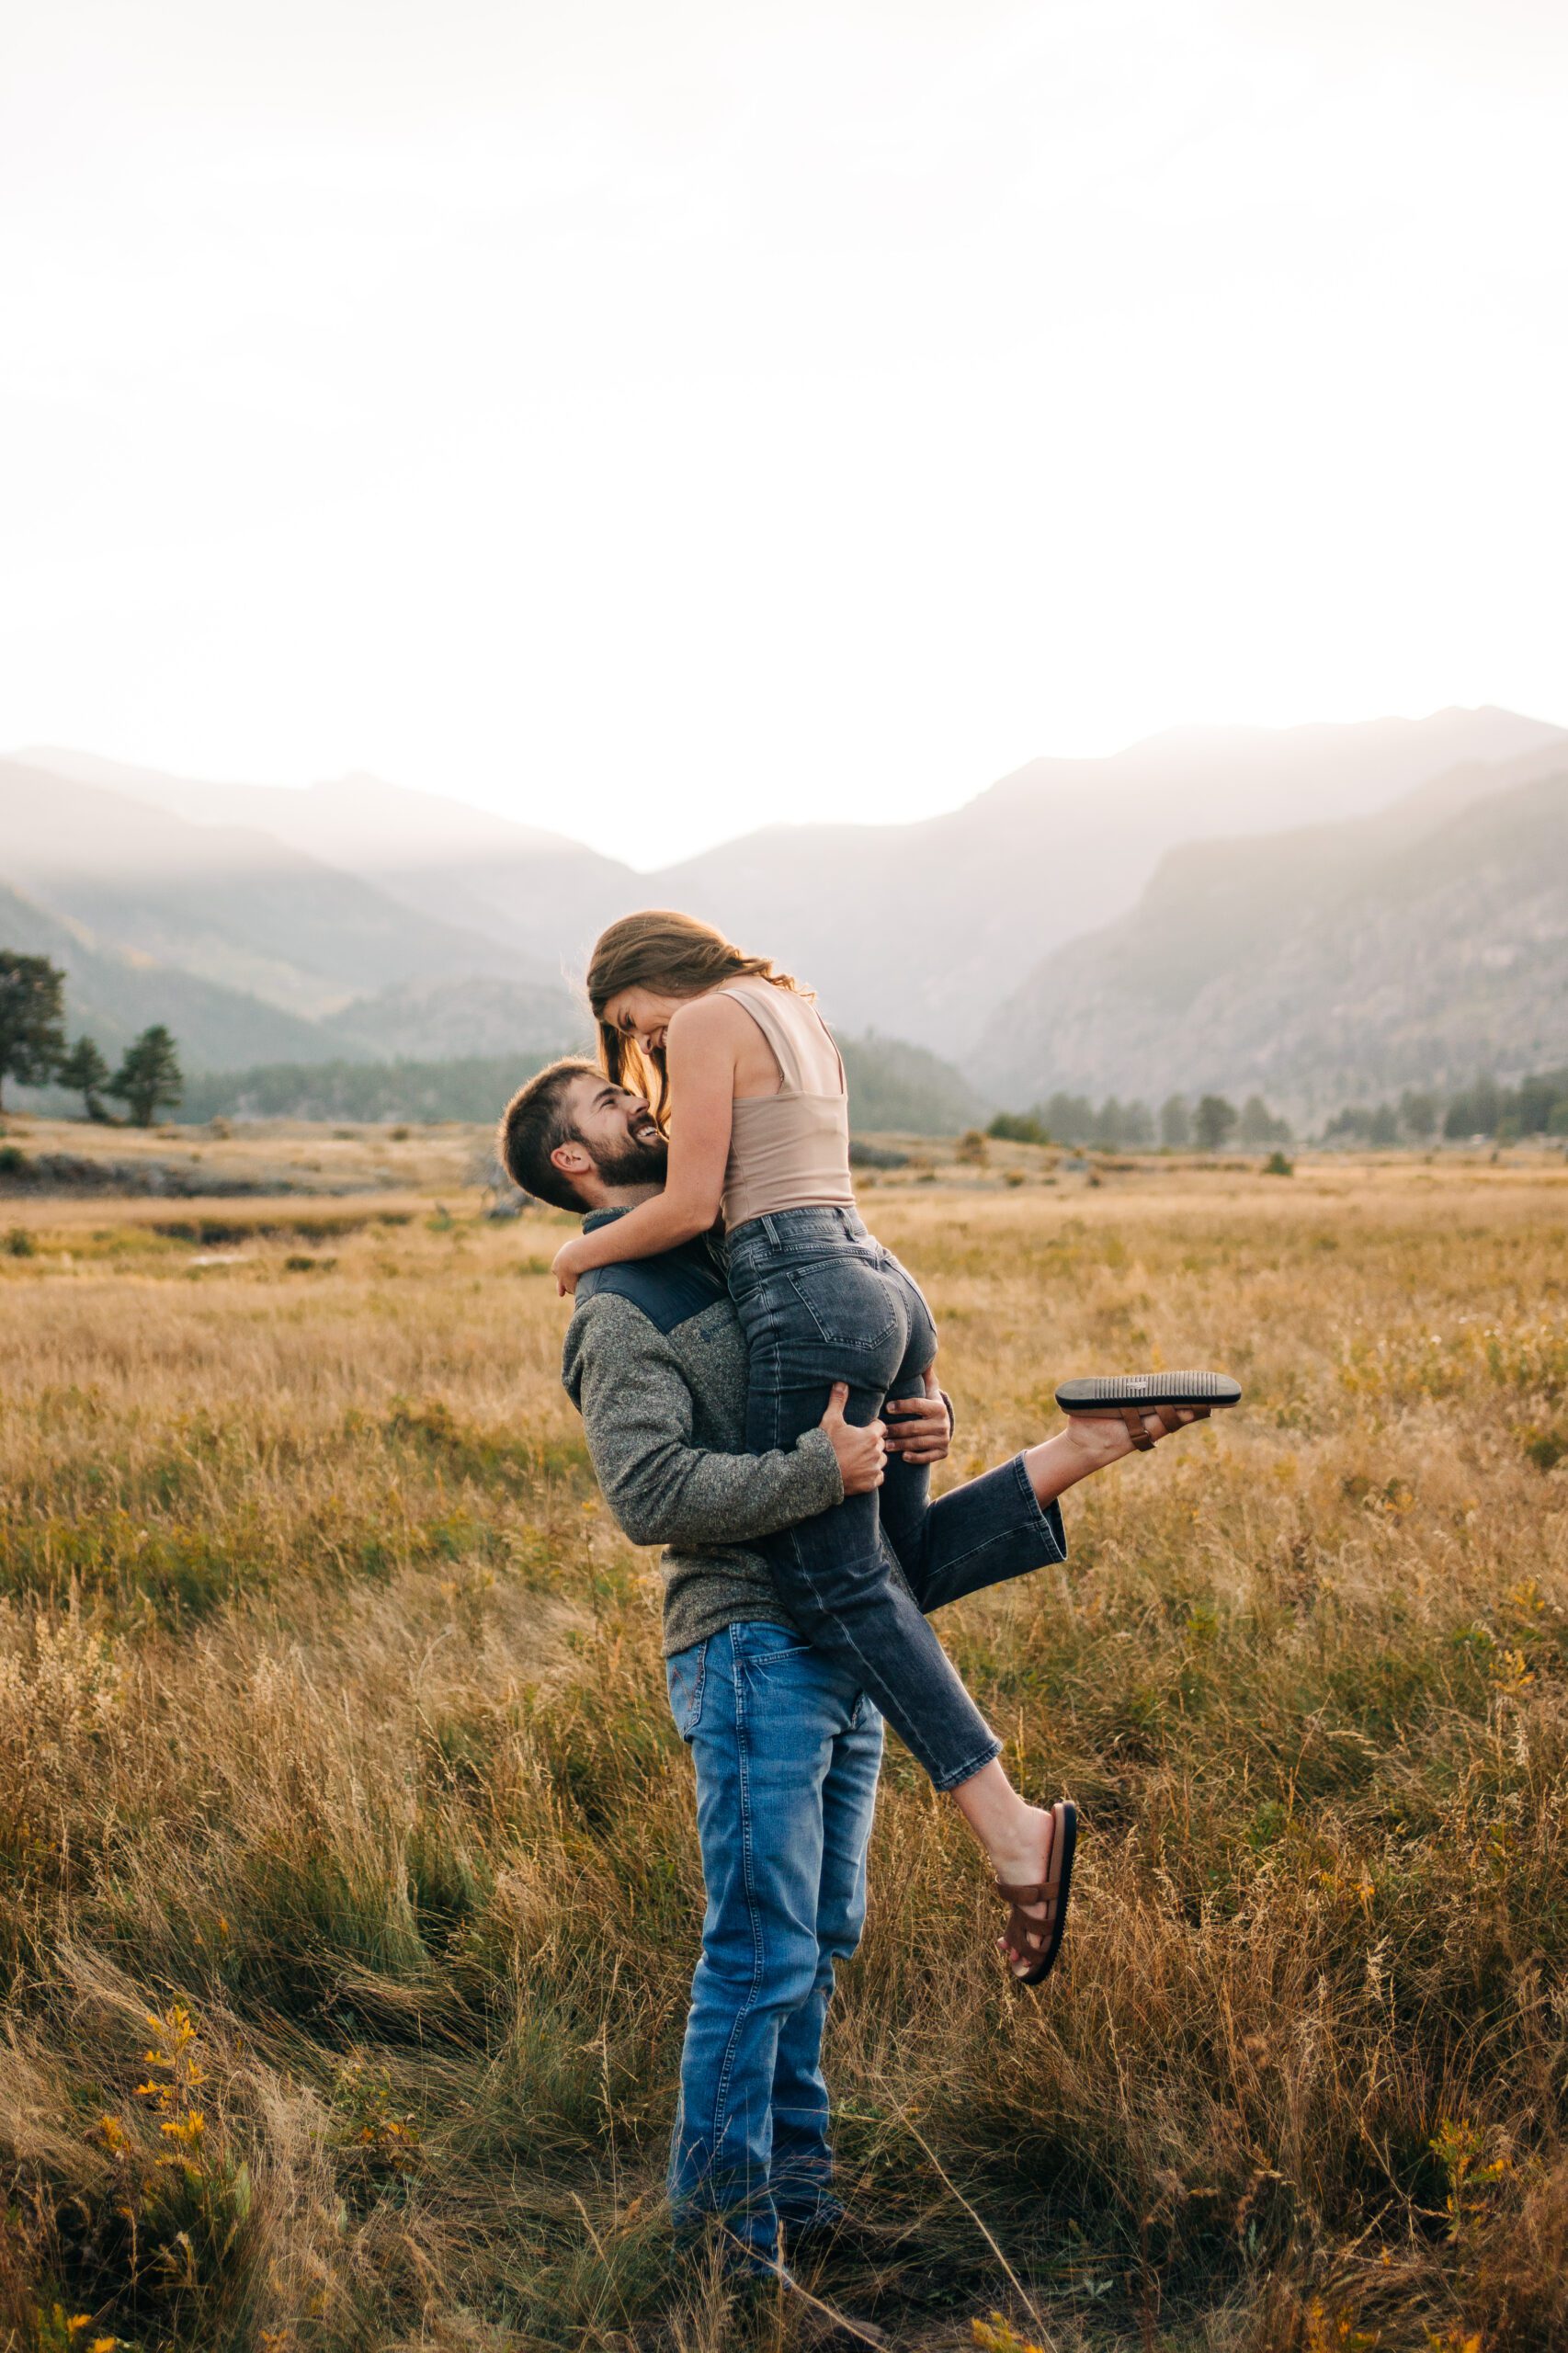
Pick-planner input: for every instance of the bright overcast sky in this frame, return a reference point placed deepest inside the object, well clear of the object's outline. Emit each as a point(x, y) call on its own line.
point(648, 417)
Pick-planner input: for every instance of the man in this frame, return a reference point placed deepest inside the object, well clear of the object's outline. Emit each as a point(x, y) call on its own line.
point(787, 1750)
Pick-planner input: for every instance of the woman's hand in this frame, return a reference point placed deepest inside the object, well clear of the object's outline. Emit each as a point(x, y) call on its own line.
point(567, 1265)
point(923, 1430)
point(861, 1452)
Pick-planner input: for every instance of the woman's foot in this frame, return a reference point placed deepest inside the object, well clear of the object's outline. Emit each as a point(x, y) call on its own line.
point(1032, 1938)
point(1025, 1860)
point(1092, 1442)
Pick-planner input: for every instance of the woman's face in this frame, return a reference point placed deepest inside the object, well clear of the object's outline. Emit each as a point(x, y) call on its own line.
point(642, 1014)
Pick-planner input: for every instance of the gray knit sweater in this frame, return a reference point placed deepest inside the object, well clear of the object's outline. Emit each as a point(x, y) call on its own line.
point(655, 1364)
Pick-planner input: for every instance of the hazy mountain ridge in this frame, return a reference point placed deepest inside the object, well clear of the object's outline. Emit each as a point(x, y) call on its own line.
point(392, 923)
point(113, 996)
point(537, 895)
point(1411, 949)
point(922, 928)
point(227, 903)
point(463, 1019)
point(933, 925)
point(450, 1050)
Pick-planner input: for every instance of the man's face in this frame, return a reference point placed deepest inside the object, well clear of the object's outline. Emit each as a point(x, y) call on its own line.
point(616, 1130)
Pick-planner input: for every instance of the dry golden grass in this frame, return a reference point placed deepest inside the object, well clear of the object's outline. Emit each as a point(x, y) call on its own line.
point(349, 1883)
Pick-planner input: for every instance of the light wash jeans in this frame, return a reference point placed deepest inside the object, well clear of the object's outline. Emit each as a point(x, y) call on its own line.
point(786, 1746)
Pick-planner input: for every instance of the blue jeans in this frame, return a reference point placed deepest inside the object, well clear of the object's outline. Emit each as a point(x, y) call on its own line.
point(787, 1747)
point(819, 1301)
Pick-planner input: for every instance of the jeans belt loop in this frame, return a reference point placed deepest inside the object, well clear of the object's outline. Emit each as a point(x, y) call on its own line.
point(772, 1232)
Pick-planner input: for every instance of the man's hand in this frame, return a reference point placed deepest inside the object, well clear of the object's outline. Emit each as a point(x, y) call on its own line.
point(924, 1430)
point(566, 1266)
point(861, 1453)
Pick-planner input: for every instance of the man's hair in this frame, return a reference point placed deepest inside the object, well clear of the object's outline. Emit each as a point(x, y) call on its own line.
point(533, 1123)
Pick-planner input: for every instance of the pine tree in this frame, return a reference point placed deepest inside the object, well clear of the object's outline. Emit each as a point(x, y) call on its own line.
point(86, 1072)
point(148, 1076)
point(1259, 1125)
point(32, 1036)
point(1176, 1122)
point(1214, 1121)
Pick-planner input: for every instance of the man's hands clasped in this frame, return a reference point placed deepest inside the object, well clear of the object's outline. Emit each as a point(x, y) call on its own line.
point(861, 1449)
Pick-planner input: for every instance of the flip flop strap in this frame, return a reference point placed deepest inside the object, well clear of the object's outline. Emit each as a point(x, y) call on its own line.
point(1136, 1430)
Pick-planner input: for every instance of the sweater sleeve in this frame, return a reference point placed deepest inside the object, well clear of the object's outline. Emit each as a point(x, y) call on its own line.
point(627, 1383)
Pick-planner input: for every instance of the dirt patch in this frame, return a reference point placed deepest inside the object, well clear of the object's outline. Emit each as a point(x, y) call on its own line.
point(70, 1173)
point(311, 1225)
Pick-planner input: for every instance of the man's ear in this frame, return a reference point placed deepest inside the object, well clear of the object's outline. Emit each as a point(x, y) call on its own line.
point(573, 1159)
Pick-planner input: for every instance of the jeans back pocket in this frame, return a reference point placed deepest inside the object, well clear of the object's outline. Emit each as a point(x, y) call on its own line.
point(850, 1302)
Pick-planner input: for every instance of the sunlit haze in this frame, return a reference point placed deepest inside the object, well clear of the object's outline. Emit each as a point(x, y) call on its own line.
point(653, 419)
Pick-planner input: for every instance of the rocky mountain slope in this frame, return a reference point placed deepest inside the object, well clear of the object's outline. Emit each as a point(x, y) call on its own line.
point(1410, 948)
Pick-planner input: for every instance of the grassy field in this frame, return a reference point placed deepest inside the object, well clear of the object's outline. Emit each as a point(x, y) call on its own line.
point(348, 1891)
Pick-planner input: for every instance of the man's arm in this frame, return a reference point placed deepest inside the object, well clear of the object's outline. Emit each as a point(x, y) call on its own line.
point(627, 1382)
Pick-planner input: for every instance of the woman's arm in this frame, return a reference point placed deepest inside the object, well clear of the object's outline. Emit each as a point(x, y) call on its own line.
point(700, 1046)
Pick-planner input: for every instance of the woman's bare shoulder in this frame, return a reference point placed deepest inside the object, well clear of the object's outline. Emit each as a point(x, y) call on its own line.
point(709, 1021)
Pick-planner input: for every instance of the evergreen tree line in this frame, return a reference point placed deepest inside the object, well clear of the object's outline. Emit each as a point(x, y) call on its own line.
point(1208, 1123)
point(34, 1051)
point(1535, 1106)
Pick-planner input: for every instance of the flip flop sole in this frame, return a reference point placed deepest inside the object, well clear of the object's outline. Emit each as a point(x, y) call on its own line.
point(1119, 1389)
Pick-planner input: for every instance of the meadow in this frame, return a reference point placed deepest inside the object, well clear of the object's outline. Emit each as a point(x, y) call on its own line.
point(348, 1882)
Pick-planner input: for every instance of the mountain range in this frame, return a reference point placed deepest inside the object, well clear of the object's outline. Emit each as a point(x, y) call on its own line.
point(1414, 947)
point(1231, 906)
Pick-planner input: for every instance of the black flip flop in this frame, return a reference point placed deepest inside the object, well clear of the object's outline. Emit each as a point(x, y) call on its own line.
point(1131, 1394)
point(1026, 1938)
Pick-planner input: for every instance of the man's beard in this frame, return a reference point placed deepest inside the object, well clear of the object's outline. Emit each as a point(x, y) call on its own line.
point(634, 1163)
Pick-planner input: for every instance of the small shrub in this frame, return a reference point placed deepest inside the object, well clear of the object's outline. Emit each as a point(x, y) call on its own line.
point(1278, 1166)
point(19, 1244)
point(972, 1149)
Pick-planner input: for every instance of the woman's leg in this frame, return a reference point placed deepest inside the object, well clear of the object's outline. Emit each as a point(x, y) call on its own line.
point(857, 1316)
point(1000, 1526)
point(807, 1326)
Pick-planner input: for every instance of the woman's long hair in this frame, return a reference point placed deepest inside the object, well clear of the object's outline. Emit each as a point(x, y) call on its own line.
point(676, 955)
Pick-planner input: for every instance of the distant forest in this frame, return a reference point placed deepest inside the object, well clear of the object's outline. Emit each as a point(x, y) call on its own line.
point(900, 1088)
point(1535, 1106)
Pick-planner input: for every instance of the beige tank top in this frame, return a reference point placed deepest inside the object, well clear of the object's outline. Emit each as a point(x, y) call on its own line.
point(788, 1151)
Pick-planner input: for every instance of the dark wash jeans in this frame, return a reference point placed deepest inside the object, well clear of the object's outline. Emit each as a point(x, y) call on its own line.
point(820, 1300)
point(786, 1746)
